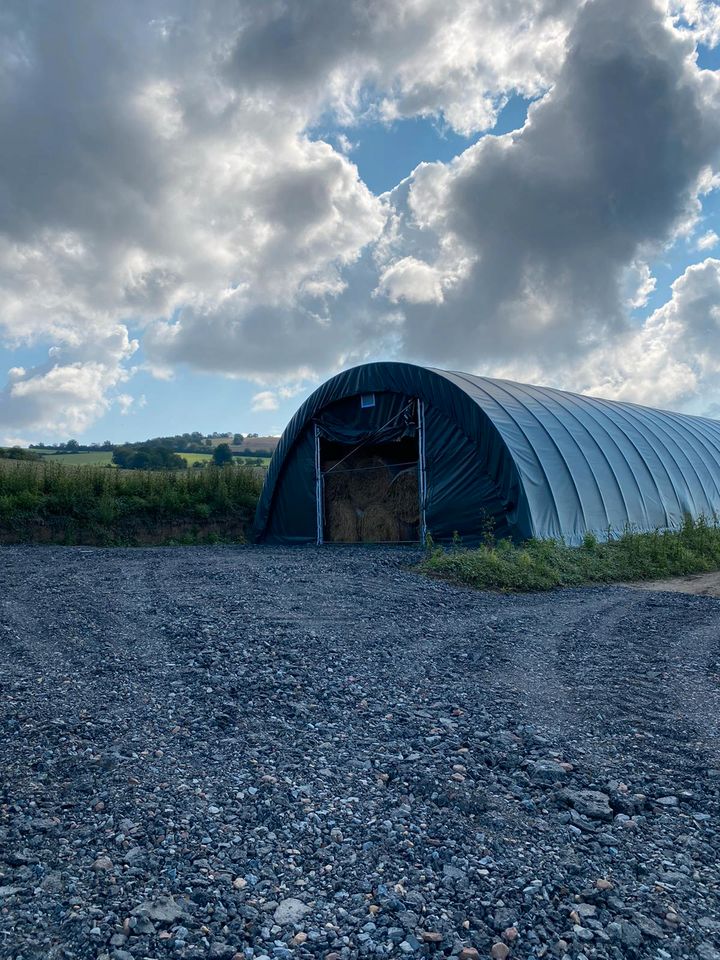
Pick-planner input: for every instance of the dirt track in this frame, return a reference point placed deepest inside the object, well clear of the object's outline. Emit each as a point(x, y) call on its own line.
point(245, 730)
point(698, 584)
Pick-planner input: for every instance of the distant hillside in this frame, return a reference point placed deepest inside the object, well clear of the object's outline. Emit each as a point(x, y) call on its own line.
point(187, 443)
point(255, 443)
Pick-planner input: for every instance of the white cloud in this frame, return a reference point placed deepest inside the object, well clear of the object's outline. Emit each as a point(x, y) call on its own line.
point(412, 280)
point(707, 241)
point(263, 401)
point(702, 17)
point(62, 398)
point(641, 283)
point(187, 205)
point(13, 441)
point(674, 358)
point(553, 218)
point(125, 402)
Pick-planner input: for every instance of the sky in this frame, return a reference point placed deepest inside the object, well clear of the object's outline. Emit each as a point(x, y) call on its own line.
point(208, 209)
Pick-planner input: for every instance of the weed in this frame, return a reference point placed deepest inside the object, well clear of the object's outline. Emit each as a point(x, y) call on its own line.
point(109, 505)
point(544, 564)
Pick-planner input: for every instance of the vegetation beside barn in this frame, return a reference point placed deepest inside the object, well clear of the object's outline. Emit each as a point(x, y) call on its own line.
point(46, 502)
point(545, 564)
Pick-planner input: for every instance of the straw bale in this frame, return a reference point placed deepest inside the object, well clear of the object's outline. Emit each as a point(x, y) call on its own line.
point(341, 522)
point(368, 481)
point(403, 497)
point(379, 525)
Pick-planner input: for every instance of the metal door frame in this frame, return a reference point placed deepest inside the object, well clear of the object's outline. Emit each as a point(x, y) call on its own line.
point(422, 479)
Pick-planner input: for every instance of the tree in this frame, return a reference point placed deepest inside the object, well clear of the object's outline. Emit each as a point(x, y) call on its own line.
point(222, 455)
point(238, 439)
point(147, 458)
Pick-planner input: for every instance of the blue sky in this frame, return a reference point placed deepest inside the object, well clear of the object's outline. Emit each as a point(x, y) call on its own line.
point(224, 190)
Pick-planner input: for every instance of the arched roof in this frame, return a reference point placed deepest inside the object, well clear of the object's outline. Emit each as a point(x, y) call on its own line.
point(583, 463)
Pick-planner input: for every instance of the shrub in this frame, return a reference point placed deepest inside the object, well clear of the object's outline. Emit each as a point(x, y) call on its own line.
point(543, 564)
point(84, 498)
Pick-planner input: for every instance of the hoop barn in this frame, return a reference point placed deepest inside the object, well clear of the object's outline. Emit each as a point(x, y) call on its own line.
point(387, 452)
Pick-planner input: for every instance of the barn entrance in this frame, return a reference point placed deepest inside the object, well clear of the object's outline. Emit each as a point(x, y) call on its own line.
point(371, 492)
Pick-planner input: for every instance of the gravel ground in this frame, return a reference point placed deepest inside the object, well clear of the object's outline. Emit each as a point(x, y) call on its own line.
point(267, 752)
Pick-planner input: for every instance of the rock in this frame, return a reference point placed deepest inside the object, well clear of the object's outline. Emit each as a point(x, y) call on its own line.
point(9, 891)
point(290, 910)
point(161, 910)
point(590, 803)
point(431, 936)
point(603, 884)
point(706, 951)
point(468, 953)
point(546, 771)
point(499, 951)
point(585, 910)
point(626, 933)
point(648, 927)
point(102, 864)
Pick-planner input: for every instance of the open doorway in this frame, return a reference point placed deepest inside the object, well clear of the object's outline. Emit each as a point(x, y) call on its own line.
point(371, 492)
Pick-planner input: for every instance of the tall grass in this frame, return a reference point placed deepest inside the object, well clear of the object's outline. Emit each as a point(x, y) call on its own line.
point(544, 564)
point(109, 503)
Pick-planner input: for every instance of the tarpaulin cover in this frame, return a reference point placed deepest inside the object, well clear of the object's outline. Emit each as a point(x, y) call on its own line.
point(540, 462)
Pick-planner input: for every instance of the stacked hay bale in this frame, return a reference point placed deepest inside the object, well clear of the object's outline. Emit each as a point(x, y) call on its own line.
point(364, 502)
point(403, 497)
point(378, 525)
point(340, 517)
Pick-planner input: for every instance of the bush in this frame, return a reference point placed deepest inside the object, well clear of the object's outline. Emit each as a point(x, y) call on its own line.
point(148, 458)
point(17, 453)
point(544, 564)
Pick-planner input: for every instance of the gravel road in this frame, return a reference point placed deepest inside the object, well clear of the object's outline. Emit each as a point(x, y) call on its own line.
point(268, 752)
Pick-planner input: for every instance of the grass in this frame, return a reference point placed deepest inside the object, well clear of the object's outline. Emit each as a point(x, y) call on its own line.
point(191, 458)
point(545, 564)
point(96, 458)
point(51, 502)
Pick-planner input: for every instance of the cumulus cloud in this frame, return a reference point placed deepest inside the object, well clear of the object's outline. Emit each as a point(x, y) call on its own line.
point(160, 171)
point(707, 241)
point(607, 168)
point(454, 59)
point(640, 284)
point(163, 185)
point(265, 400)
point(673, 354)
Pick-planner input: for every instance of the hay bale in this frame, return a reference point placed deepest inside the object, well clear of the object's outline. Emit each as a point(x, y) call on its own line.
point(341, 522)
point(403, 497)
point(378, 525)
point(336, 486)
point(368, 481)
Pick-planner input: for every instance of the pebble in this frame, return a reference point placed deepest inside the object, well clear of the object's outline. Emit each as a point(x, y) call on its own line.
point(499, 951)
point(191, 718)
point(290, 910)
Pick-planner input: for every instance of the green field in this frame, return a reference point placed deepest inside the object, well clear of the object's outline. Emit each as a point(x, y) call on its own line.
point(98, 458)
point(191, 458)
point(103, 458)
